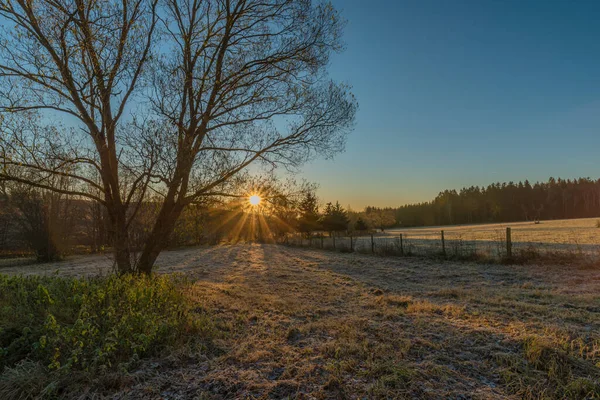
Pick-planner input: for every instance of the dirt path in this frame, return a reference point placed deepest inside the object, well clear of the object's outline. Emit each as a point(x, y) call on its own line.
point(312, 324)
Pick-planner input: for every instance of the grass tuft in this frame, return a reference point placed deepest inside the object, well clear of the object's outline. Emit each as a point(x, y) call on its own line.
point(547, 369)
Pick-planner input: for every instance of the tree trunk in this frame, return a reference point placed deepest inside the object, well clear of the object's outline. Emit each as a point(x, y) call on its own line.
point(120, 239)
point(122, 256)
point(157, 241)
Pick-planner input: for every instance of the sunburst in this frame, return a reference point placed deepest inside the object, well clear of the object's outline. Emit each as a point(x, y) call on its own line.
point(255, 200)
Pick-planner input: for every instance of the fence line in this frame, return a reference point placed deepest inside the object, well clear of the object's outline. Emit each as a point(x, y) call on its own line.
point(447, 244)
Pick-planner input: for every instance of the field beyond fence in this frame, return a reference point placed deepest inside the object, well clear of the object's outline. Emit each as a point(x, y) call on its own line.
point(559, 241)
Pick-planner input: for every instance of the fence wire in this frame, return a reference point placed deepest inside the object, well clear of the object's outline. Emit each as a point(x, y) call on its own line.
point(499, 244)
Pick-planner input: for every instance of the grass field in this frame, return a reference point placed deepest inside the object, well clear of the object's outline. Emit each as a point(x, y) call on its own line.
point(548, 241)
point(582, 231)
point(300, 323)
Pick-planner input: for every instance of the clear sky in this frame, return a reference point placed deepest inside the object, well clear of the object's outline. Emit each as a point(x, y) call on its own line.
point(459, 93)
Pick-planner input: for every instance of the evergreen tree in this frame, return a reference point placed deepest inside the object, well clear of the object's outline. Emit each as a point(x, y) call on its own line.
point(360, 225)
point(335, 218)
point(500, 202)
point(308, 220)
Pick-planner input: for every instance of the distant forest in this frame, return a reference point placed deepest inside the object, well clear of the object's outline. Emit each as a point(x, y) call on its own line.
point(503, 202)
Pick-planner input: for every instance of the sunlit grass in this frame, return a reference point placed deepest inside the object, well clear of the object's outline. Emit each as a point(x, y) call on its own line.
point(287, 322)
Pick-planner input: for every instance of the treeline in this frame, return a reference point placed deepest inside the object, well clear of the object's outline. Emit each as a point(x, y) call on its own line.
point(334, 219)
point(503, 202)
point(50, 226)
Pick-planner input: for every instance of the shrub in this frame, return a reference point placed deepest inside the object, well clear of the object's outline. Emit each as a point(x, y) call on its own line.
point(93, 326)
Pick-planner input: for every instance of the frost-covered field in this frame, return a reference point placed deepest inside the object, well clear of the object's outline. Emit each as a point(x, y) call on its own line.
point(567, 231)
point(530, 242)
point(575, 237)
point(304, 323)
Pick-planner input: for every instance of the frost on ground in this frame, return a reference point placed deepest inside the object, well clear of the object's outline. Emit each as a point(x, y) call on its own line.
point(582, 231)
point(556, 241)
point(300, 323)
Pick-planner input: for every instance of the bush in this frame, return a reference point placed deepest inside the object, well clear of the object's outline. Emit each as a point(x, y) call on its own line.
point(87, 327)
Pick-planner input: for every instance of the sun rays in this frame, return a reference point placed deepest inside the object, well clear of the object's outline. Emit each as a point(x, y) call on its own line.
point(254, 216)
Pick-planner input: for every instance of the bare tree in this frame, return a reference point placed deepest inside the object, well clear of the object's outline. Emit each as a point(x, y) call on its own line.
point(84, 59)
point(214, 86)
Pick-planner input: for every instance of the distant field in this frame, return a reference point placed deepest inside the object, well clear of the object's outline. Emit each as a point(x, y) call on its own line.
point(571, 231)
point(565, 239)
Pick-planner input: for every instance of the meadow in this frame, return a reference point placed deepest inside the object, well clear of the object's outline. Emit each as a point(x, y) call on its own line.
point(555, 241)
point(268, 321)
point(583, 231)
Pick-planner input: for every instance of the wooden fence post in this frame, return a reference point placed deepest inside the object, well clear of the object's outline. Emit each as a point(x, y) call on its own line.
point(508, 243)
point(372, 245)
point(443, 244)
point(401, 246)
point(333, 236)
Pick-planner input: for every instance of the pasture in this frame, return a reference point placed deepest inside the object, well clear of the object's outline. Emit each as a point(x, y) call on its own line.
point(582, 231)
point(303, 323)
point(556, 241)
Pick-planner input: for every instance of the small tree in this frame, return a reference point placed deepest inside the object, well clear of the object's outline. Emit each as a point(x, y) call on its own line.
point(360, 225)
point(308, 220)
point(282, 216)
point(335, 218)
point(380, 218)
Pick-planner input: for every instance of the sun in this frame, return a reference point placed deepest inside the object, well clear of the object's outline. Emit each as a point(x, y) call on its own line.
point(255, 200)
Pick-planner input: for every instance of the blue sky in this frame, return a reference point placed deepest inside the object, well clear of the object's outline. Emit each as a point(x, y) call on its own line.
point(459, 93)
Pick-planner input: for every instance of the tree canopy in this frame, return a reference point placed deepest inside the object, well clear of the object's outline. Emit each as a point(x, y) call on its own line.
point(173, 98)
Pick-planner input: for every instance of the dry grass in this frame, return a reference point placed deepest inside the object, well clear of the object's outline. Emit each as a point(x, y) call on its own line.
point(550, 242)
point(582, 231)
point(309, 324)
